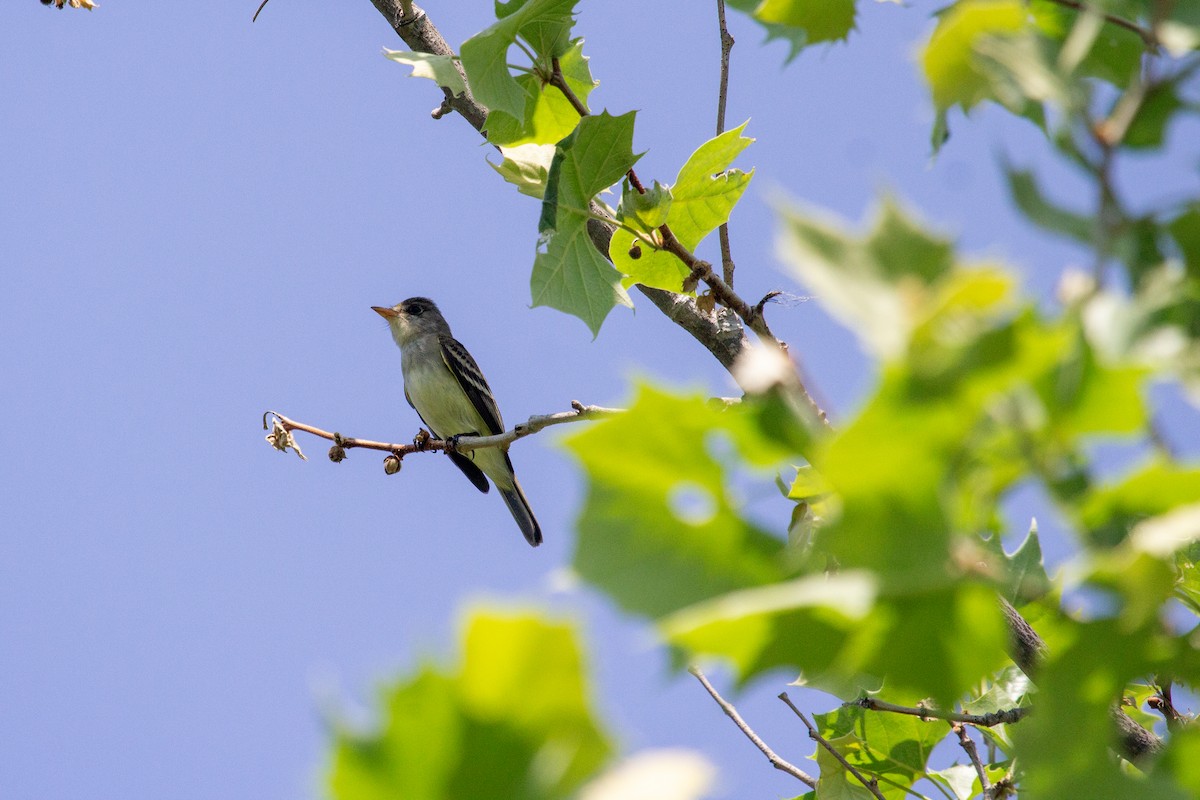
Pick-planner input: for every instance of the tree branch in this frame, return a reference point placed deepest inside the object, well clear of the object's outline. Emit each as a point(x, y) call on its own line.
point(1005, 717)
point(426, 443)
point(872, 784)
point(968, 745)
point(722, 96)
point(1147, 36)
point(731, 712)
point(721, 336)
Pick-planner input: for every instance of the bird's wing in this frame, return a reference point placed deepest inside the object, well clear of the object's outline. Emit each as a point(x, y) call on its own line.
point(471, 379)
point(474, 474)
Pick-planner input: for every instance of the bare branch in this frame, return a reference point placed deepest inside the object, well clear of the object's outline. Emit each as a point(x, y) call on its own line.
point(731, 712)
point(722, 96)
point(871, 783)
point(531, 426)
point(968, 745)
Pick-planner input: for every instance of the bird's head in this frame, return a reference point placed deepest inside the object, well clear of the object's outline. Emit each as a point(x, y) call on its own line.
point(416, 316)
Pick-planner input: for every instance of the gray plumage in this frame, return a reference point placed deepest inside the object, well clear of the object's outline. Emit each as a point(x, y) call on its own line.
point(447, 389)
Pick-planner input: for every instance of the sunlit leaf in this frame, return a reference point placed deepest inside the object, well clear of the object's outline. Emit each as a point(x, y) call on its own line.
point(568, 273)
point(701, 199)
point(512, 721)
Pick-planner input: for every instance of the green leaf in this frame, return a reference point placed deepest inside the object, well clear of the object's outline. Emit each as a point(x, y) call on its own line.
point(548, 116)
point(1084, 396)
point(1185, 229)
point(894, 747)
point(1154, 115)
point(658, 530)
point(702, 197)
point(1109, 512)
point(1083, 675)
point(646, 210)
point(1023, 186)
point(950, 59)
point(438, 68)
point(544, 24)
point(512, 721)
point(879, 285)
point(568, 273)
point(526, 167)
point(1025, 573)
point(821, 20)
point(1006, 691)
point(835, 781)
point(800, 23)
point(803, 625)
point(960, 779)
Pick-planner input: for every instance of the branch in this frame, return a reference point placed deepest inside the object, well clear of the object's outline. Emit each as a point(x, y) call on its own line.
point(721, 336)
point(731, 712)
point(426, 443)
point(924, 712)
point(968, 745)
point(1147, 36)
point(722, 96)
point(871, 784)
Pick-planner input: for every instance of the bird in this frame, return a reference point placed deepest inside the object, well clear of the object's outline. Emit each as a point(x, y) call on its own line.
point(445, 386)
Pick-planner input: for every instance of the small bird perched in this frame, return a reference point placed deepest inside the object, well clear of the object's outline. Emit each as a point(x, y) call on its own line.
point(445, 386)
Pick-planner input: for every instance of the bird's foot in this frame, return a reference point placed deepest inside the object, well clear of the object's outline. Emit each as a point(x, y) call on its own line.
point(421, 440)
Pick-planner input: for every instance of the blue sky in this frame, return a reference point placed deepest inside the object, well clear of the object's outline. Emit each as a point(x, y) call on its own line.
point(196, 215)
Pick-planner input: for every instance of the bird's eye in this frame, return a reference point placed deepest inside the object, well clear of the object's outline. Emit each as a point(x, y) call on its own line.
point(415, 310)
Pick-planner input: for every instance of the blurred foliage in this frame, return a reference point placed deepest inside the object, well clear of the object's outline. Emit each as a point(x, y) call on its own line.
point(883, 576)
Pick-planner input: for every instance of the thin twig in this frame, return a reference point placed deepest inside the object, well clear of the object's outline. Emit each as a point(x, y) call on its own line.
point(722, 96)
point(1147, 36)
point(1004, 717)
point(531, 426)
point(871, 784)
point(731, 712)
point(559, 81)
point(261, 6)
point(968, 745)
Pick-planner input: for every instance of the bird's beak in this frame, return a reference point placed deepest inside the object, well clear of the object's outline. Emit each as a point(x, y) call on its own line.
point(386, 313)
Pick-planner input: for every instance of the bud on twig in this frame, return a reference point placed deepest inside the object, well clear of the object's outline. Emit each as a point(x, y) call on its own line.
point(391, 464)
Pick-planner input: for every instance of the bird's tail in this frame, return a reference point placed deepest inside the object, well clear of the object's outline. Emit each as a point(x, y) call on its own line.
point(514, 498)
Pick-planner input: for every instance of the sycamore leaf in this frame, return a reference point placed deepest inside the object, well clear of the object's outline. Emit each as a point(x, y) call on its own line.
point(659, 529)
point(526, 167)
point(544, 24)
point(701, 199)
point(548, 115)
point(880, 284)
point(950, 62)
point(800, 22)
point(484, 729)
point(438, 68)
point(1028, 196)
point(568, 273)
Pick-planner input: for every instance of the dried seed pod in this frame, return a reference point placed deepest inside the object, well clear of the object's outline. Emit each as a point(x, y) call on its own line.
point(635, 251)
point(391, 464)
point(337, 453)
